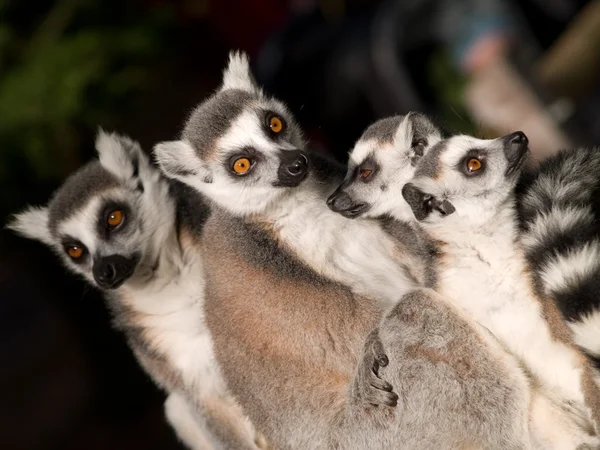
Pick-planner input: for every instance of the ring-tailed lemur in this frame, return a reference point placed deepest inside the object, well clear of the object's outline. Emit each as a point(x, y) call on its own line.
point(135, 235)
point(289, 333)
point(559, 209)
point(375, 178)
point(558, 205)
point(463, 195)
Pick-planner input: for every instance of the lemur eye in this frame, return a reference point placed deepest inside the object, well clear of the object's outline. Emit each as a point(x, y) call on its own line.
point(75, 251)
point(275, 123)
point(365, 173)
point(241, 166)
point(115, 218)
point(473, 165)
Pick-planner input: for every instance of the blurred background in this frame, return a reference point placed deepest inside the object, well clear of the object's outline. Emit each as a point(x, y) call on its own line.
point(486, 67)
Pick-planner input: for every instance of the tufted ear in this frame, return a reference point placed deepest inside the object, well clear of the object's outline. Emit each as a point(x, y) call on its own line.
point(178, 160)
point(32, 223)
point(121, 156)
point(237, 75)
point(403, 137)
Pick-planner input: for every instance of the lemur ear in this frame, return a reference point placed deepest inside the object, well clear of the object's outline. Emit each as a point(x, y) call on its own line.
point(404, 134)
point(178, 160)
point(237, 75)
point(121, 156)
point(422, 204)
point(33, 224)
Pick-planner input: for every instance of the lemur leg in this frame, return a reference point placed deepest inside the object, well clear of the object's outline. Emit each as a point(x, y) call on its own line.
point(182, 417)
point(456, 386)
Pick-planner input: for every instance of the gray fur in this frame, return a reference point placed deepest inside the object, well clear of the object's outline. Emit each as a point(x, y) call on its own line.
point(302, 391)
point(159, 307)
point(211, 119)
point(384, 130)
point(430, 166)
point(89, 181)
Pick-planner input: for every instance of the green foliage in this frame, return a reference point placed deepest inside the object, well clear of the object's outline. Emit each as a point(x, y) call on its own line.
point(73, 72)
point(449, 85)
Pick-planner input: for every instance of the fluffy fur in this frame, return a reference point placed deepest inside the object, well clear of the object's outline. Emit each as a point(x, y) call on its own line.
point(559, 208)
point(159, 306)
point(469, 208)
point(293, 291)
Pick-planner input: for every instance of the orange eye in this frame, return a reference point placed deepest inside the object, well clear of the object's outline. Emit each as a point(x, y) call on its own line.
point(75, 252)
point(241, 166)
point(365, 173)
point(115, 218)
point(276, 124)
point(473, 165)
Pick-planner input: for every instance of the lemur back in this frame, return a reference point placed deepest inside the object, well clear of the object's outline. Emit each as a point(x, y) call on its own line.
point(291, 355)
point(136, 236)
point(463, 195)
point(559, 208)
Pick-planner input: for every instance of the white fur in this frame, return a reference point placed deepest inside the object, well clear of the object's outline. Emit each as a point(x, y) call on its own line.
point(586, 332)
point(557, 219)
point(184, 420)
point(32, 223)
point(484, 271)
point(565, 269)
point(115, 157)
point(237, 74)
point(358, 254)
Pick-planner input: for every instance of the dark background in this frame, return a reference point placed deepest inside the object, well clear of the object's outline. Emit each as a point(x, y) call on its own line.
point(67, 381)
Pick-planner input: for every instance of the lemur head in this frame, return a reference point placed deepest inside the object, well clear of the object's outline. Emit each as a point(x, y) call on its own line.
point(107, 220)
point(467, 176)
point(240, 148)
point(382, 161)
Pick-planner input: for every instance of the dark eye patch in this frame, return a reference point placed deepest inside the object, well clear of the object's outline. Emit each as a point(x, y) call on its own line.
point(245, 152)
point(103, 229)
point(367, 170)
point(478, 154)
point(68, 242)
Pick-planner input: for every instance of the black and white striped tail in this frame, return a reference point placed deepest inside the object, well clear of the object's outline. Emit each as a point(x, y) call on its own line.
point(559, 206)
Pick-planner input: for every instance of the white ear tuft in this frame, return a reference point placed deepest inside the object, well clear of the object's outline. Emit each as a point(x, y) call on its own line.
point(178, 160)
point(33, 224)
point(404, 134)
point(237, 75)
point(120, 155)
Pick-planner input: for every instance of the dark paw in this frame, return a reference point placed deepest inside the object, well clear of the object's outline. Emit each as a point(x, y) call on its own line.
point(369, 387)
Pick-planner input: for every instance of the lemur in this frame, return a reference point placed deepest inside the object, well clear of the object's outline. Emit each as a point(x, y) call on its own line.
point(135, 235)
point(463, 195)
point(558, 206)
point(294, 290)
point(371, 190)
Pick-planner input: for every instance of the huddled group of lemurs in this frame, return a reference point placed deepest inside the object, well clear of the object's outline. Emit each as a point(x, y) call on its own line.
point(432, 294)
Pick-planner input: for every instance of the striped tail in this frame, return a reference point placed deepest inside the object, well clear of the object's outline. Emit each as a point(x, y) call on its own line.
point(559, 207)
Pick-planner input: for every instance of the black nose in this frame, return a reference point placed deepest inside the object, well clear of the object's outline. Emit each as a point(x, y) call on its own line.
point(516, 150)
point(341, 202)
point(110, 272)
point(298, 166)
point(293, 168)
point(518, 138)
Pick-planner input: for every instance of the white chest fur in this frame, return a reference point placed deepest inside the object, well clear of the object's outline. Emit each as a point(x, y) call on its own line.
point(483, 271)
point(170, 314)
point(356, 253)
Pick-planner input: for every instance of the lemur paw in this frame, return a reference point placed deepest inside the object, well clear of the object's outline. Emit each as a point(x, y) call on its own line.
point(369, 387)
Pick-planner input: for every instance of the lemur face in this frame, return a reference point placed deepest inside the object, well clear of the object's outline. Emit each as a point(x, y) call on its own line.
point(102, 219)
point(382, 161)
point(240, 148)
point(466, 175)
